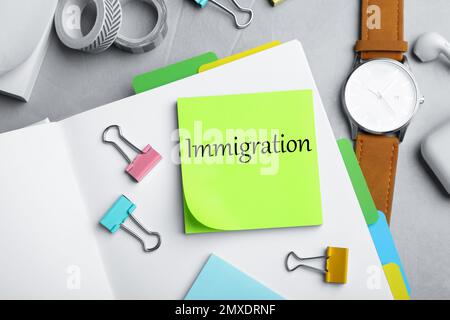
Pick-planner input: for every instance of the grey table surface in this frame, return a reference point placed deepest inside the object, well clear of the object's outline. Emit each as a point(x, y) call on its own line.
point(71, 82)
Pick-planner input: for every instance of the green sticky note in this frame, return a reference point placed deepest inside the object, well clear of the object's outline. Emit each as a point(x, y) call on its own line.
point(249, 162)
point(358, 181)
point(171, 73)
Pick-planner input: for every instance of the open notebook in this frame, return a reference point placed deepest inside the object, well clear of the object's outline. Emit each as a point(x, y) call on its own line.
point(59, 179)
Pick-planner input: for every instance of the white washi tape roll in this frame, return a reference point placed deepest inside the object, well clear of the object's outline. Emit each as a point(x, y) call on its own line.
point(151, 40)
point(108, 19)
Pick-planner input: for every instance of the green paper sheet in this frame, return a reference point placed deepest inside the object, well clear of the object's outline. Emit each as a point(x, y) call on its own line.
point(358, 181)
point(171, 73)
point(257, 189)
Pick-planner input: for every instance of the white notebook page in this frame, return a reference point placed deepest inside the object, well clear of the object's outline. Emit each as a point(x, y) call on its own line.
point(47, 244)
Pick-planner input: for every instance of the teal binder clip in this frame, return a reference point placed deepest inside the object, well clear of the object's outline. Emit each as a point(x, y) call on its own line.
point(115, 217)
point(203, 3)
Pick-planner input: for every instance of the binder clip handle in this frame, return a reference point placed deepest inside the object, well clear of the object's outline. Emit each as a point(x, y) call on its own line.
point(150, 233)
point(301, 264)
point(202, 3)
point(125, 140)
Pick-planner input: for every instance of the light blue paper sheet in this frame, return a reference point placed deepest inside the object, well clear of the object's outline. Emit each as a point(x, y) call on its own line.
point(219, 280)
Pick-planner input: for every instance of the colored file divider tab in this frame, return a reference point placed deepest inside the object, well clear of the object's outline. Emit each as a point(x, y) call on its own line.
point(171, 73)
point(365, 200)
point(189, 67)
point(396, 281)
point(238, 56)
point(384, 243)
point(378, 226)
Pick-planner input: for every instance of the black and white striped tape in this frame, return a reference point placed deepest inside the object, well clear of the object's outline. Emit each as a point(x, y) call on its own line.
point(103, 32)
point(151, 40)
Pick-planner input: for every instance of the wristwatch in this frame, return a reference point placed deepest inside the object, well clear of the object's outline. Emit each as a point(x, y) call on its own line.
point(380, 97)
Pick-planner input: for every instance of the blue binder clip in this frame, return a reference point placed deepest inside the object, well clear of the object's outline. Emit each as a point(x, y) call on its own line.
point(115, 217)
point(203, 3)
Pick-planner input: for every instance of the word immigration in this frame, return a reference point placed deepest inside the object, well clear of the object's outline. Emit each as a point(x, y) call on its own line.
point(246, 150)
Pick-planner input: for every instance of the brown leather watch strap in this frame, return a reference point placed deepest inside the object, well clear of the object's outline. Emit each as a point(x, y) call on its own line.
point(377, 156)
point(382, 30)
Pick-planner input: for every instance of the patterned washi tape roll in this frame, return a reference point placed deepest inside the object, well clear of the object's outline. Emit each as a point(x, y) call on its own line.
point(103, 32)
point(151, 40)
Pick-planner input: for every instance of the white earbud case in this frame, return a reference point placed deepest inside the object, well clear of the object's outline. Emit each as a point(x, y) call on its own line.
point(436, 152)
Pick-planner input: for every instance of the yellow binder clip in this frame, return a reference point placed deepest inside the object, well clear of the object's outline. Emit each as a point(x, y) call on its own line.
point(336, 264)
point(274, 3)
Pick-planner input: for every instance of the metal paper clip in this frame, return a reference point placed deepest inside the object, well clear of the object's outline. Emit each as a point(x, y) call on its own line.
point(203, 3)
point(144, 162)
point(115, 217)
point(336, 265)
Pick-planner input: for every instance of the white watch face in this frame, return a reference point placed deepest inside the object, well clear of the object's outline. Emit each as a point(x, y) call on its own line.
point(381, 96)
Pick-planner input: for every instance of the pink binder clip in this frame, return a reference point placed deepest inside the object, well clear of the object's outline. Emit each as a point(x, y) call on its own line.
point(144, 162)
